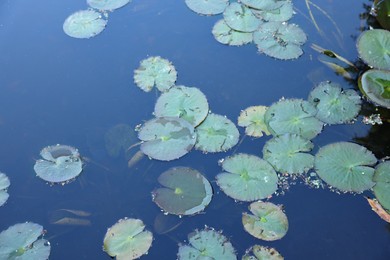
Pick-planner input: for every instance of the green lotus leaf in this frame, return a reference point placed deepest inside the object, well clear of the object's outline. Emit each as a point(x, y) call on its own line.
point(167, 138)
point(107, 5)
point(4, 184)
point(184, 102)
point(226, 35)
point(288, 153)
point(206, 244)
point(375, 85)
point(185, 192)
point(240, 18)
point(382, 184)
point(374, 48)
point(207, 7)
point(258, 252)
point(346, 166)
point(335, 105)
point(295, 116)
point(252, 118)
point(216, 134)
point(247, 177)
point(118, 139)
point(60, 163)
point(264, 4)
point(381, 11)
point(280, 40)
point(267, 221)
point(127, 239)
point(84, 24)
point(155, 71)
point(281, 14)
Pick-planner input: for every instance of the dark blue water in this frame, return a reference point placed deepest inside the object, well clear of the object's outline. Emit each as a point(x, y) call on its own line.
point(57, 89)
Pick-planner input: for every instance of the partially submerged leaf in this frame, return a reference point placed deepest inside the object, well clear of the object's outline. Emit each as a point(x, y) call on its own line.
point(263, 4)
point(118, 139)
point(207, 7)
point(164, 223)
point(107, 5)
point(258, 252)
point(382, 184)
point(374, 48)
point(240, 18)
point(226, 35)
point(84, 24)
point(252, 118)
point(378, 209)
point(375, 85)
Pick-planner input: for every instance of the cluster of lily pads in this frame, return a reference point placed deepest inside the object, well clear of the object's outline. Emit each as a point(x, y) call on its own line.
point(263, 22)
point(89, 23)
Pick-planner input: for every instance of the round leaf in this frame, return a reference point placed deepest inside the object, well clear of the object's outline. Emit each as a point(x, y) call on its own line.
point(382, 184)
point(226, 35)
point(374, 48)
point(375, 85)
point(258, 252)
point(4, 184)
point(263, 4)
point(118, 139)
point(281, 14)
point(240, 18)
point(207, 7)
point(84, 24)
point(107, 5)
point(252, 118)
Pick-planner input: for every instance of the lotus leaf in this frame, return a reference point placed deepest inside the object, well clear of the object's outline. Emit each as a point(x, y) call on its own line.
point(335, 105)
point(295, 116)
point(184, 102)
point(252, 118)
point(381, 11)
point(155, 71)
point(382, 184)
point(375, 84)
point(226, 35)
point(264, 4)
point(84, 24)
point(374, 48)
point(127, 239)
point(258, 252)
point(167, 138)
point(207, 7)
point(346, 166)
point(118, 139)
point(4, 184)
point(206, 244)
point(281, 14)
point(61, 163)
point(288, 153)
point(107, 5)
point(240, 18)
point(280, 40)
point(185, 192)
point(216, 134)
point(247, 177)
point(267, 221)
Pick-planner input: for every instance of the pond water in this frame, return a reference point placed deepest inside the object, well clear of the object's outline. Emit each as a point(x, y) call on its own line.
point(58, 89)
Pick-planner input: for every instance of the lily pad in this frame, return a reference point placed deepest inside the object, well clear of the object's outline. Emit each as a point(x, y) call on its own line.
point(226, 35)
point(374, 48)
point(118, 139)
point(206, 244)
point(127, 239)
point(267, 221)
point(375, 85)
point(60, 163)
point(295, 116)
point(207, 7)
point(167, 138)
point(346, 166)
point(84, 24)
point(335, 105)
point(155, 71)
point(186, 191)
point(4, 184)
point(264, 4)
point(107, 5)
point(382, 184)
point(252, 118)
point(184, 102)
point(247, 178)
point(281, 14)
point(280, 40)
point(240, 18)
point(258, 252)
point(216, 134)
point(382, 10)
point(24, 241)
point(289, 153)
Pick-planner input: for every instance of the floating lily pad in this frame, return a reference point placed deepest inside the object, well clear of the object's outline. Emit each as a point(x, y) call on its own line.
point(24, 241)
point(382, 184)
point(4, 184)
point(167, 138)
point(382, 11)
point(127, 239)
point(263, 4)
point(84, 24)
point(226, 35)
point(184, 102)
point(118, 139)
point(258, 252)
point(375, 85)
point(252, 118)
point(267, 221)
point(289, 153)
point(295, 116)
point(216, 134)
point(281, 14)
point(335, 105)
point(207, 244)
point(346, 166)
point(186, 191)
point(374, 48)
point(61, 163)
point(107, 5)
point(207, 7)
point(240, 18)
point(247, 177)
point(280, 40)
point(155, 71)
